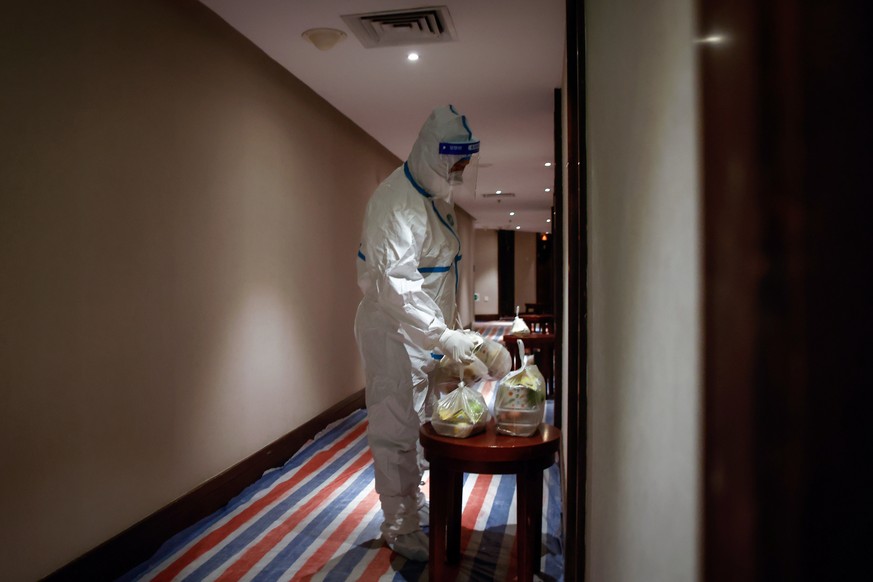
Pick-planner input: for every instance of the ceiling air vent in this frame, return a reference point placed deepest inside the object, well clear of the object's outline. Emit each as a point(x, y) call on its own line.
point(402, 27)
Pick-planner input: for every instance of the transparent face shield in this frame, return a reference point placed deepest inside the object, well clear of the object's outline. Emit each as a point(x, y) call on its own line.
point(459, 163)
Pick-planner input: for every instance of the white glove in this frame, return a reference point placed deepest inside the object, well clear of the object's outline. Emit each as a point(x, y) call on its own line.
point(458, 345)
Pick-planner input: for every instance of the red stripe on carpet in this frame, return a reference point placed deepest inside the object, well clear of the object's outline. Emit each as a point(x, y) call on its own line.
point(257, 551)
point(215, 537)
point(322, 555)
point(473, 507)
point(380, 564)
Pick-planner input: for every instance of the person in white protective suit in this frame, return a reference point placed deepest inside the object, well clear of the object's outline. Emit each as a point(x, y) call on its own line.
point(408, 271)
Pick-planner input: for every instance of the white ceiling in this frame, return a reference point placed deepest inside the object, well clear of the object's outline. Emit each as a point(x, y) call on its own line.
point(501, 72)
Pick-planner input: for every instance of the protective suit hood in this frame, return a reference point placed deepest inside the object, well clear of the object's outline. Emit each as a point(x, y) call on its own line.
point(445, 124)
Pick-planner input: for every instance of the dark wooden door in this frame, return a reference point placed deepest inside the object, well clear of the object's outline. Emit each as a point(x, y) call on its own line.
point(787, 190)
point(544, 273)
point(506, 272)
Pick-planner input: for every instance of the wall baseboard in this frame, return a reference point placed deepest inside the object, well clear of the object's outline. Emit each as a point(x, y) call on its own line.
point(139, 542)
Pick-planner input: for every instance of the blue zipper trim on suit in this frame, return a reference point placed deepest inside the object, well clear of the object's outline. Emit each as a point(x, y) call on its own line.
point(469, 137)
point(467, 127)
point(433, 269)
point(430, 197)
point(420, 269)
point(454, 234)
point(463, 121)
point(412, 181)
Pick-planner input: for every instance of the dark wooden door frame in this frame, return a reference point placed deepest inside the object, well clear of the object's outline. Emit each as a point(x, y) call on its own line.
point(576, 349)
point(558, 248)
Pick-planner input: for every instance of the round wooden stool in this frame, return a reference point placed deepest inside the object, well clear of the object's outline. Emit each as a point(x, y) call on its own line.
point(492, 454)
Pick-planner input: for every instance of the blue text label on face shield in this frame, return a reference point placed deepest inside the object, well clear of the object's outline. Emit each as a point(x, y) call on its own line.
point(459, 149)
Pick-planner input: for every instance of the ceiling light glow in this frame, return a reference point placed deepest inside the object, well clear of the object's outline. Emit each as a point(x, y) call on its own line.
point(499, 192)
point(548, 164)
point(412, 56)
point(548, 189)
point(548, 220)
point(512, 214)
point(517, 228)
point(711, 39)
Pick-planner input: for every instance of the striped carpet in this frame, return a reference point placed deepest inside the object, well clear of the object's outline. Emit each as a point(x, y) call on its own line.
point(318, 516)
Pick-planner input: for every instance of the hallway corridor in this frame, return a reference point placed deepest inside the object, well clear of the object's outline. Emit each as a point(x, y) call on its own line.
point(317, 518)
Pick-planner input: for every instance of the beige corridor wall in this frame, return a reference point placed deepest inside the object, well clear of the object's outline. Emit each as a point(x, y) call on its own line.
point(485, 276)
point(525, 269)
point(177, 263)
point(465, 284)
point(644, 378)
point(486, 272)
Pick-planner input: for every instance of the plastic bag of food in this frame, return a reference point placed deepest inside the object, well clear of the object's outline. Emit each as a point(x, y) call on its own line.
point(495, 357)
point(449, 373)
point(460, 413)
point(519, 327)
point(520, 402)
point(491, 362)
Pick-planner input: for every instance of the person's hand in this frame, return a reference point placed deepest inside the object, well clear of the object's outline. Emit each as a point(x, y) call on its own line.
point(458, 345)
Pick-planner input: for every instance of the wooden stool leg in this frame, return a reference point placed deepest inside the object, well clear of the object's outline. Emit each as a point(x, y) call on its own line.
point(536, 525)
point(529, 500)
point(453, 524)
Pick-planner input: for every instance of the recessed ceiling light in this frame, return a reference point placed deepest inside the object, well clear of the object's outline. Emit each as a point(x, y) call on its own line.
point(548, 189)
point(412, 56)
point(512, 214)
point(517, 228)
point(548, 220)
point(499, 192)
point(548, 164)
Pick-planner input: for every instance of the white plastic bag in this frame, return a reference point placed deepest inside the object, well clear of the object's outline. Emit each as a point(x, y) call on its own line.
point(520, 402)
point(519, 327)
point(495, 357)
point(449, 373)
point(460, 413)
point(491, 362)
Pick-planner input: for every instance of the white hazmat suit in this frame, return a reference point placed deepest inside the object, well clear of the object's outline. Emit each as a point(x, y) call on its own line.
point(408, 271)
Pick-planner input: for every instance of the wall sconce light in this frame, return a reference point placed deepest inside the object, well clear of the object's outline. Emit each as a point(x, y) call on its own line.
point(324, 38)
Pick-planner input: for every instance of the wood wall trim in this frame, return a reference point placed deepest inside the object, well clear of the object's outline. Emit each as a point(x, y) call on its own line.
point(487, 317)
point(139, 542)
